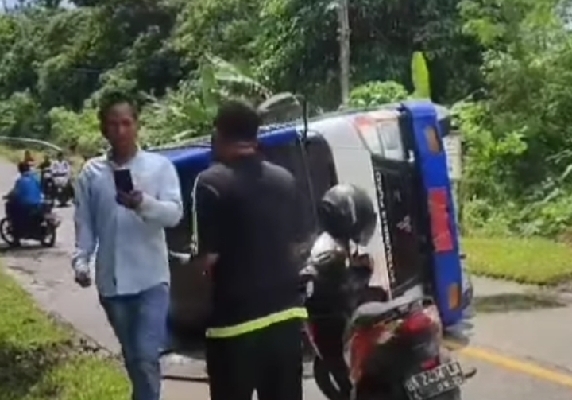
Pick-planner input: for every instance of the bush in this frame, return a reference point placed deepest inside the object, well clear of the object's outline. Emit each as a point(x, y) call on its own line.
point(376, 93)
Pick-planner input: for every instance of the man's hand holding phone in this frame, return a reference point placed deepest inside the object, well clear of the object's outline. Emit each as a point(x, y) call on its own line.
point(131, 200)
point(127, 196)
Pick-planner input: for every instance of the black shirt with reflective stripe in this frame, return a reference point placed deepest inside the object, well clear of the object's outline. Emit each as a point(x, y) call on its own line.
point(244, 213)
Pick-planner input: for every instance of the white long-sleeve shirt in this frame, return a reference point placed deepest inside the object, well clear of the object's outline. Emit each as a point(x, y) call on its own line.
point(61, 168)
point(132, 254)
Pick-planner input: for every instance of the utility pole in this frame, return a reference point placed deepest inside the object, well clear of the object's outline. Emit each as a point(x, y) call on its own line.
point(344, 38)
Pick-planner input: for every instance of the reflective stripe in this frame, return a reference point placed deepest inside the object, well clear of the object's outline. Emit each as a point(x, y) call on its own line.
point(257, 324)
point(248, 326)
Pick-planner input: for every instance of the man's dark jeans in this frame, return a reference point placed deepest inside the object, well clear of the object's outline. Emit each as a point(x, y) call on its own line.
point(140, 324)
point(268, 361)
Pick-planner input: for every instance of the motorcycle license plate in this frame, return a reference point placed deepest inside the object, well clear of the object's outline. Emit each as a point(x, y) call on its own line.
point(432, 383)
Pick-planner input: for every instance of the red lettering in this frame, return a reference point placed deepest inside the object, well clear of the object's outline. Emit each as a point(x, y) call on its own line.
point(440, 227)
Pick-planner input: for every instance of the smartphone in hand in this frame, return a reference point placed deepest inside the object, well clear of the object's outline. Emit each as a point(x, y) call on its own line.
point(123, 180)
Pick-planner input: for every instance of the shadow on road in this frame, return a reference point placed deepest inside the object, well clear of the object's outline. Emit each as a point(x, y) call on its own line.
point(23, 250)
point(31, 251)
point(184, 359)
point(460, 334)
point(506, 302)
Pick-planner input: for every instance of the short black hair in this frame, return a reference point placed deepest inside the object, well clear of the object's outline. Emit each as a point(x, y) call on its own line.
point(23, 167)
point(112, 98)
point(237, 120)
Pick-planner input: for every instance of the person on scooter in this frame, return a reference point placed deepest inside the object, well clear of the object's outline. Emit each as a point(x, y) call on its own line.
point(29, 159)
point(61, 167)
point(347, 217)
point(26, 199)
point(61, 170)
point(46, 177)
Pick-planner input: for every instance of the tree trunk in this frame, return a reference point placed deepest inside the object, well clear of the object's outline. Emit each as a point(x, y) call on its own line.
point(344, 38)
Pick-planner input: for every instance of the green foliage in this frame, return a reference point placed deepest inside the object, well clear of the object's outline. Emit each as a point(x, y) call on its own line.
point(517, 131)
point(21, 113)
point(188, 111)
point(377, 93)
point(40, 359)
point(64, 58)
point(509, 62)
point(81, 129)
point(420, 77)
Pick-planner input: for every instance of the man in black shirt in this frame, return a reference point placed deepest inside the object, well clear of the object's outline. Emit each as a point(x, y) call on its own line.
point(243, 210)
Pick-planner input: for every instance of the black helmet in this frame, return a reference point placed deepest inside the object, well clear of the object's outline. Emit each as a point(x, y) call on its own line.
point(346, 212)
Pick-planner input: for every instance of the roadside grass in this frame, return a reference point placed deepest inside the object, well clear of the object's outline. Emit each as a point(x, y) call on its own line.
point(41, 359)
point(534, 261)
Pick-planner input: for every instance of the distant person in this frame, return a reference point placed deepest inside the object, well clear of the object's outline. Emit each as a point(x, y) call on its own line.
point(61, 167)
point(46, 177)
point(243, 208)
point(46, 162)
point(131, 264)
point(29, 159)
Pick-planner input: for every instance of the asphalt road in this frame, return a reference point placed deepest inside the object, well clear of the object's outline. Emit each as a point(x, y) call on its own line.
point(522, 354)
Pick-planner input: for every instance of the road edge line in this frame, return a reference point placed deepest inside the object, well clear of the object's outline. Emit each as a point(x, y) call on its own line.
point(512, 364)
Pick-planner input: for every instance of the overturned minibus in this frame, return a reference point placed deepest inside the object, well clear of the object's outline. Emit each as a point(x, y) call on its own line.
point(396, 154)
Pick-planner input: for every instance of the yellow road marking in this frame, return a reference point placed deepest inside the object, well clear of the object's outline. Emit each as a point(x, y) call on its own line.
point(512, 364)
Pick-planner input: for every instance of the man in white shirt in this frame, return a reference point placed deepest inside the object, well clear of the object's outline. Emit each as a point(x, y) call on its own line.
point(61, 167)
point(127, 229)
point(61, 175)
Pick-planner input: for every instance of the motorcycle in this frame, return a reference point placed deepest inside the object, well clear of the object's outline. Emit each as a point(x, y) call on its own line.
point(392, 350)
point(63, 189)
point(48, 186)
point(41, 227)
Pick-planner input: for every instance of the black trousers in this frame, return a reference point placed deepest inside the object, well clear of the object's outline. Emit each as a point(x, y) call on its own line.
point(268, 361)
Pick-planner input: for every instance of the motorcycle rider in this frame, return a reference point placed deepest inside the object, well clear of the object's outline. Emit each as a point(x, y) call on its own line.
point(25, 200)
point(46, 177)
point(61, 166)
point(347, 216)
point(29, 159)
point(61, 170)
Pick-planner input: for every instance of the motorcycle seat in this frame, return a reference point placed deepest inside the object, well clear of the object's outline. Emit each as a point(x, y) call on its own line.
point(371, 312)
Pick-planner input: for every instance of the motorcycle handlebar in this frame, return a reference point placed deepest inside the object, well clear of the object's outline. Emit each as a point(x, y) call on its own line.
point(183, 258)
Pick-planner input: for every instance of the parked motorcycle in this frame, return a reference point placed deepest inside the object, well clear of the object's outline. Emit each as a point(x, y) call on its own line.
point(41, 227)
point(392, 350)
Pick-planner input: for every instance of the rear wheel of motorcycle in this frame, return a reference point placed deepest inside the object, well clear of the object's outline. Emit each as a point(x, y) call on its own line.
point(49, 235)
point(325, 382)
point(7, 232)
